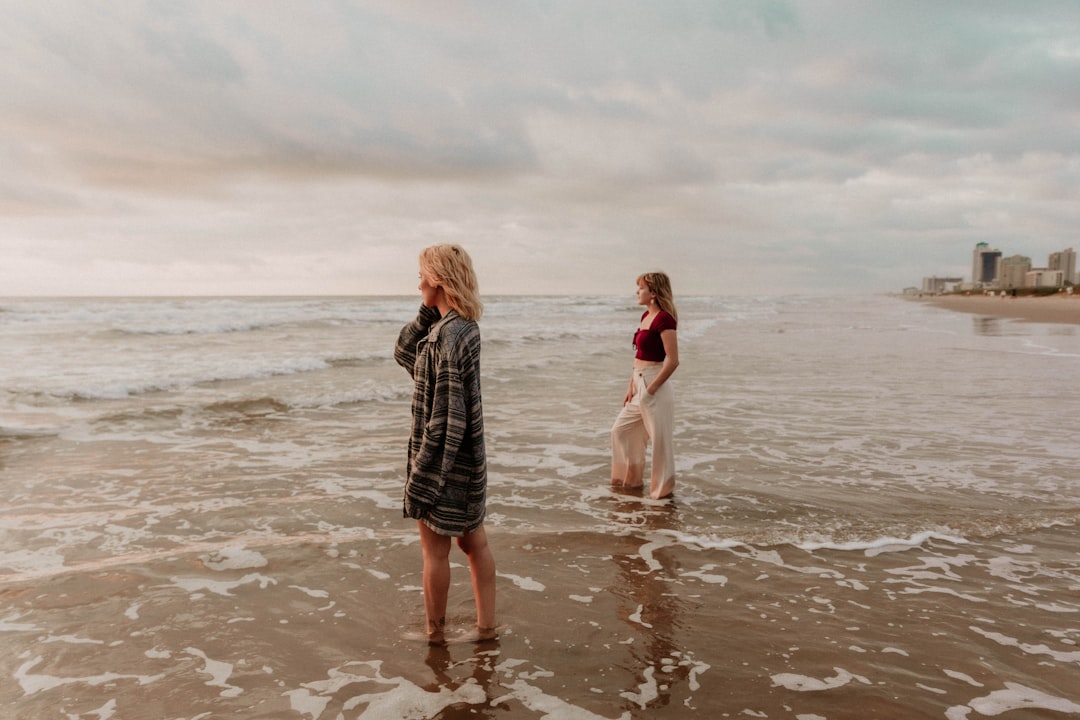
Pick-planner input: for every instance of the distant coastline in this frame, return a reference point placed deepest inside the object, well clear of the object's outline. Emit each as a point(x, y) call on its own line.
point(1058, 308)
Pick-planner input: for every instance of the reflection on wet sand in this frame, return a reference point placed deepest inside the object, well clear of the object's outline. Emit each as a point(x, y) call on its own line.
point(477, 672)
point(987, 326)
point(647, 602)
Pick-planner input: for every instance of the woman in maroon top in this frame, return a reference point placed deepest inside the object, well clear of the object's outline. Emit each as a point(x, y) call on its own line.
point(648, 411)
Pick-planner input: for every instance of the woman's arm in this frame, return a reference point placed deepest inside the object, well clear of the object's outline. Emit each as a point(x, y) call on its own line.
point(405, 349)
point(671, 361)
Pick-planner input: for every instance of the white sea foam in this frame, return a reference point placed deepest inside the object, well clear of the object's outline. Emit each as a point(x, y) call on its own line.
point(884, 544)
point(870, 548)
point(1030, 648)
point(72, 640)
point(32, 561)
point(705, 576)
point(9, 624)
point(222, 587)
point(311, 593)
point(648, 551)
point(957, 675)
point(401, 699)
point(33, 683)
point(1014, 697)
point(804, 683)
point(636, 617)
point(525, 583)
point(219, 673)
point(647, 691)
point(535, 699)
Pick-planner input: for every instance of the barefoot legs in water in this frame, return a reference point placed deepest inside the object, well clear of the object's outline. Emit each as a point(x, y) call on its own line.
point(436, 552)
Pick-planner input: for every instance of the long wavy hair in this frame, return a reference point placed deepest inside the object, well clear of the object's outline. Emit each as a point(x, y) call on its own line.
point(660, 284)
point(451, 268)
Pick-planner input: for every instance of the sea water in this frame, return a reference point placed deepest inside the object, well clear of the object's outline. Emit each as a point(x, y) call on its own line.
point(876, 514)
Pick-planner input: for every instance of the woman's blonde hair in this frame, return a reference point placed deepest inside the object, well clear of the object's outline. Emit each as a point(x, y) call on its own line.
point(450, 267)
point(660, 285)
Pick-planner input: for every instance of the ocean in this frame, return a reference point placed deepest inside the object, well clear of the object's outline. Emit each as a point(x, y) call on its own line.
point(876, 515)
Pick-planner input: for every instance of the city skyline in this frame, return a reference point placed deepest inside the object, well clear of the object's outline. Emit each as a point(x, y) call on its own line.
point(991, 268)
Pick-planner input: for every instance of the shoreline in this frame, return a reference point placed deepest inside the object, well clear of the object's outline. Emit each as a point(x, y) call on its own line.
point(1060, 308)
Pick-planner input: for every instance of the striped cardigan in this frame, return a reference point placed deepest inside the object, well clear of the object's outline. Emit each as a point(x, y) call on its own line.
point(446, 478)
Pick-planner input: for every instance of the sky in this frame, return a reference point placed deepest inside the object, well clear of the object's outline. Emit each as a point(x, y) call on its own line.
point(265, 147)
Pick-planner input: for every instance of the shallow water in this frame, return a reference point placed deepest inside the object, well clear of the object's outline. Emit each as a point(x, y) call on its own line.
point(876, 515)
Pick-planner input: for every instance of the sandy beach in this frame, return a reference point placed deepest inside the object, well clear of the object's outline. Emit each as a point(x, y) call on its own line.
point(1059, 308)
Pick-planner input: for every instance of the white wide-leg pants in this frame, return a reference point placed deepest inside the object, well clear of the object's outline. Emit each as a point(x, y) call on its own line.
point(646, 417)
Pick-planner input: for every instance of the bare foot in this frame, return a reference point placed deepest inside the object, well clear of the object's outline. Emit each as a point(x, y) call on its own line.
point(436, 632)
point(479, 635)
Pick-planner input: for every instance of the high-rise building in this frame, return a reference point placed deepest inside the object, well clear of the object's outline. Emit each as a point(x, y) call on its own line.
point(1065, 261)
point(1012, 271)
point(984, 265)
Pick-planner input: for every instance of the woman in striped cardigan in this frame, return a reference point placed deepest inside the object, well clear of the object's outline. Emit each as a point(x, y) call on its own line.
point(446, 478)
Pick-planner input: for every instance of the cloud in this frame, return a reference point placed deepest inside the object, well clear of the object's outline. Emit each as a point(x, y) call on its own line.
point(297, 148)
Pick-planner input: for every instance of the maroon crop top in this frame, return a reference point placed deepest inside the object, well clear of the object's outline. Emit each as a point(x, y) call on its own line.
point(650, 347)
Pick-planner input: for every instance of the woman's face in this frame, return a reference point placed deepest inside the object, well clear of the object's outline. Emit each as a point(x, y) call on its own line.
point(429, 290)
point(644, 294)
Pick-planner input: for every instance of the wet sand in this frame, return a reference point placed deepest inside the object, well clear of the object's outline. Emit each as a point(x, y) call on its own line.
point(1060, 308)
point(619, 625)
point(838, 546)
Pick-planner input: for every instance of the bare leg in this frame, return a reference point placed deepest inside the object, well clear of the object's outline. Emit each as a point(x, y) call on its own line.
point(482, 568)
point(436, 551)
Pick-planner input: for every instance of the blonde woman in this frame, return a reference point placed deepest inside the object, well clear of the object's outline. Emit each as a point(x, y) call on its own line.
point(648, 411)
point(446, 478)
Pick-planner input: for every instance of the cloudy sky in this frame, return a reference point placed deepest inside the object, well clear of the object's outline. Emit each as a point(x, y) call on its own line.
point(309, 147)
